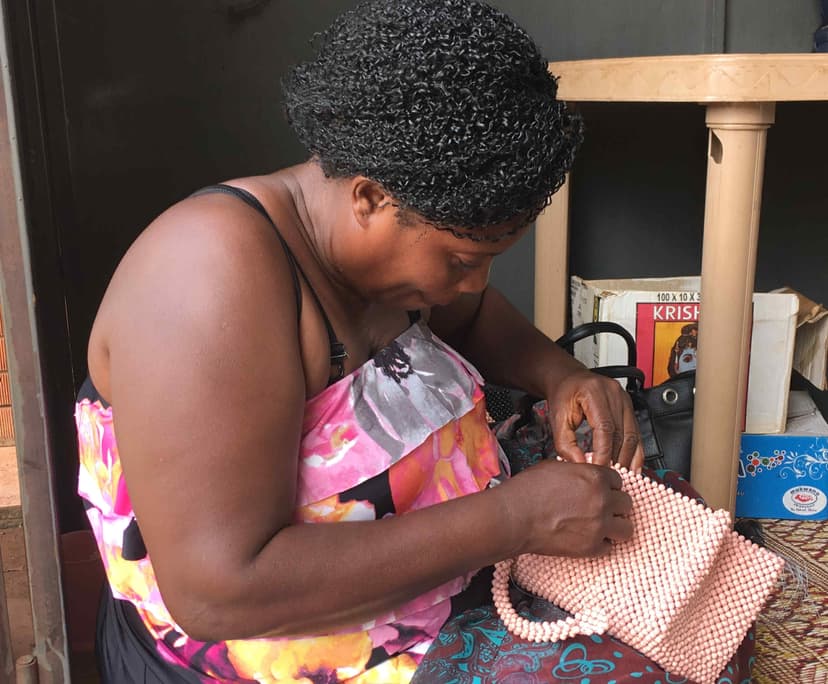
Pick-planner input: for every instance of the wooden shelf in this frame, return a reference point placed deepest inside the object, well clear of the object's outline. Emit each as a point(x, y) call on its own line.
point(740, 93)
point(695, 78)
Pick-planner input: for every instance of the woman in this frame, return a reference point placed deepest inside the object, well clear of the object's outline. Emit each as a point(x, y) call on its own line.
point(297, 348)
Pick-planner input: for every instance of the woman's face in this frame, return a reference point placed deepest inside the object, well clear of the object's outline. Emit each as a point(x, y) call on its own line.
point(418, 266)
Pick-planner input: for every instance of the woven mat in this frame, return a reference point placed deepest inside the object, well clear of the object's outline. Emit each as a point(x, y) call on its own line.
point(792, 632)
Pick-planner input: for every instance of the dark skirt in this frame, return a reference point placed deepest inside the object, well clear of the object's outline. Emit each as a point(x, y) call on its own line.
point(125, 651)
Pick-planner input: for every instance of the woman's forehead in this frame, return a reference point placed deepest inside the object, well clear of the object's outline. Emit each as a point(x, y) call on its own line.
point(491, 240)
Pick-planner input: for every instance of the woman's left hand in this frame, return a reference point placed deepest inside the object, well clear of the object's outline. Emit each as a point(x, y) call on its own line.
point(511, 352)
point(607, 408)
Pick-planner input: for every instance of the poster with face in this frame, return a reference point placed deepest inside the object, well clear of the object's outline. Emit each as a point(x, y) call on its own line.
point(667, 339)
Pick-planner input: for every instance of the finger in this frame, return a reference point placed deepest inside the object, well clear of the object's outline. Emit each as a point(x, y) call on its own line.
point(602, 548)
point(631, 440)
point(620, 503)
point(566, 446)
point(566, 442)
point(610, 477)
point(606, 436)
point(619, 529)
point(638, 459)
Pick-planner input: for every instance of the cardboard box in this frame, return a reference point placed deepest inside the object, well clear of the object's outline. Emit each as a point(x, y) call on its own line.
point(662, 315)
point(811, 347)
point(786, 475)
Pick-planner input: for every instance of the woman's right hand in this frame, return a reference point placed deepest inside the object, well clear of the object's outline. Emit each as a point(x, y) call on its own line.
point(557, 508)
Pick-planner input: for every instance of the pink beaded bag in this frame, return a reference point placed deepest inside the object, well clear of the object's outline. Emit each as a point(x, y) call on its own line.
point(683, 591)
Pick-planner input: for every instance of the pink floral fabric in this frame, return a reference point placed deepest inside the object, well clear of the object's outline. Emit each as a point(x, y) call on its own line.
point(406, 430)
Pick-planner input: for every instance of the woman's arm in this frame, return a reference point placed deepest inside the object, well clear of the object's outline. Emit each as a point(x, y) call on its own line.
point(512, 352)
point(208, 391)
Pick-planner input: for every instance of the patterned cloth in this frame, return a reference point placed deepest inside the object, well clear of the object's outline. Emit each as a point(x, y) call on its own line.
point(476, 648)
point(404, 431)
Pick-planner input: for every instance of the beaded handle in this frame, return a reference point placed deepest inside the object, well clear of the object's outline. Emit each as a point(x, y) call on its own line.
point(583, 622)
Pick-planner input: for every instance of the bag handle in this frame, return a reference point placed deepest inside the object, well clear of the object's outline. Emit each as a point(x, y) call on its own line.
point(583, 622)
point(570, 337)
point(634, 376)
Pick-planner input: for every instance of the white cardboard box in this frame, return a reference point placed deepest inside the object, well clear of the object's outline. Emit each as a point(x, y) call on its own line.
point(811, 347)
point(661, 313)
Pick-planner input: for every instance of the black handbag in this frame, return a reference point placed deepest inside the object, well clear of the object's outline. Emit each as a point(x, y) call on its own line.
point(664, 412)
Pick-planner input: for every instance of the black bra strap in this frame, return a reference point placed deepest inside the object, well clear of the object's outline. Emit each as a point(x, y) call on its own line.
point(251, 201)
point(338, 351)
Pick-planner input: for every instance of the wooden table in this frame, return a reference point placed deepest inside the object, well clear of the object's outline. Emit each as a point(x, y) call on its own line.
point(740, 92)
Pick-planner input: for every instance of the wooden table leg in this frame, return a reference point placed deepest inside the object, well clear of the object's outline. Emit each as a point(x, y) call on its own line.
point(551, 265)
point(735, 164)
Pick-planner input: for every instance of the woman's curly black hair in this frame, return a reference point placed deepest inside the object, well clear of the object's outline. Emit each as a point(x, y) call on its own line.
point(447, 104)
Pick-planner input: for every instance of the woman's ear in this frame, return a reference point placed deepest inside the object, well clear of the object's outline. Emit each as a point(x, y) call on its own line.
point(371, 202)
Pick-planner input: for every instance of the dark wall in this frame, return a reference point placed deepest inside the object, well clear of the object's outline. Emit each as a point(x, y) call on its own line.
point(638, 188)
point(793, 237)
point(771, 25)
point(161, 98)
point(638, 194)
point(638, 183)
point(588, 29)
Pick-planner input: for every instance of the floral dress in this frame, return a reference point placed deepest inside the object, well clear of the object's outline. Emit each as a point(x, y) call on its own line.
point(406, 430)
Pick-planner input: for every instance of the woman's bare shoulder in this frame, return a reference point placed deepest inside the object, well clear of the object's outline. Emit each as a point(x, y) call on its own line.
point(205, 261)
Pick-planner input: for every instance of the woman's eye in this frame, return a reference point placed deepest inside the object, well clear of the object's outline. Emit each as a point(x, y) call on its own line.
point(466, 265)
